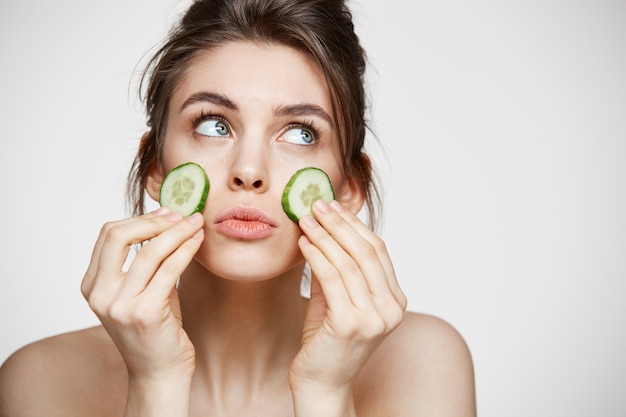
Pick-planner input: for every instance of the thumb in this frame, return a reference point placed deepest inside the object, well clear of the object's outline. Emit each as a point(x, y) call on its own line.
point(316, 312)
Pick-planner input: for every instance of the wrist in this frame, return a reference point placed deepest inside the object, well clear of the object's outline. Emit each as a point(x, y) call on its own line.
point(317, 400)
point(154, 397)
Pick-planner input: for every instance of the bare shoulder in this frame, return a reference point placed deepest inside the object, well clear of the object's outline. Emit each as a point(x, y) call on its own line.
point(424, 368)
point(63, 375)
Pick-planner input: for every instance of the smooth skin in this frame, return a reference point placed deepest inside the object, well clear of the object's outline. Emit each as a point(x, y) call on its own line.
point(208, 319)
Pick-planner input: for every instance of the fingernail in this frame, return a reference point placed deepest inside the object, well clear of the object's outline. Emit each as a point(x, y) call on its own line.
point(308, 222)
point(322, 206)
point(161, 210)
point(337, 206)
point(174, 217)
point(198, 234)
point(195, 218)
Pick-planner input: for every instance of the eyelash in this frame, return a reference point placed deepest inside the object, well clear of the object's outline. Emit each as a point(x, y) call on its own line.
point(205, 115)
point(307, 124)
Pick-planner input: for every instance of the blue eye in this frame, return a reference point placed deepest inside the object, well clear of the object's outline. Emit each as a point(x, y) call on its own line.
point(299, 136)
point(212, 127)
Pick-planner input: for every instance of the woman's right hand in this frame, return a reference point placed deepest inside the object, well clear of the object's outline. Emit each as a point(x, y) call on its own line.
point(139, 307)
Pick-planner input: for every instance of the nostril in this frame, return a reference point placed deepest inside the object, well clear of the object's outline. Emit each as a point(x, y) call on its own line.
point(238, 182)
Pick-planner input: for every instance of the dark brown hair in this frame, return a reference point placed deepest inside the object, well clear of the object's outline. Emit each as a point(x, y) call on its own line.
point(323, 29)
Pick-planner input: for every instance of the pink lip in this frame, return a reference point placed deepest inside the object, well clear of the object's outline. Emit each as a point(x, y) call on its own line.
point(245, 223)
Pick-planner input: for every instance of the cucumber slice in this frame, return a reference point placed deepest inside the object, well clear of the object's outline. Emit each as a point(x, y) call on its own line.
point(306, 186)
point(185, 189)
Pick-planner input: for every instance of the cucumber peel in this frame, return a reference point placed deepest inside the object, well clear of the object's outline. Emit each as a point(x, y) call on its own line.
point(305, 187)
point(185, 189)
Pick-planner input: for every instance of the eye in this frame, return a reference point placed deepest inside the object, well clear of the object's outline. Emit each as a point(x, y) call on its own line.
point(212, 127)
point(299, 136)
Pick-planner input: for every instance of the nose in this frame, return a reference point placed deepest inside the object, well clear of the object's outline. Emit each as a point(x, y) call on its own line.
point(249, 169)
point(248, 183)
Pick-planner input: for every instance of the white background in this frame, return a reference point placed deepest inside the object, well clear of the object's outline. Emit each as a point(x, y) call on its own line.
point(504, 128)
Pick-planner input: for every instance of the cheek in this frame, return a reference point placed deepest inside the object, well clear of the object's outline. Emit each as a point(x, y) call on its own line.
point(176, 152)
point(217, 173)
point(334, 168)
point(172, 156)
point(337, 177)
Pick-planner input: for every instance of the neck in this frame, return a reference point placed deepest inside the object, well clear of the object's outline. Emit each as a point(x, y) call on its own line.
point(246, 331)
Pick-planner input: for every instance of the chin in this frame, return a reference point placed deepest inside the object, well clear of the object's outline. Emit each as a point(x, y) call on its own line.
point(250, 264)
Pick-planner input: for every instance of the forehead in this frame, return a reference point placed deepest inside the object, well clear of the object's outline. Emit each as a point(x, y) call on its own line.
point(250, 72)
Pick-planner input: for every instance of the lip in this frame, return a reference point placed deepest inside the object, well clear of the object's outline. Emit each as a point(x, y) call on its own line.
point(248, 223)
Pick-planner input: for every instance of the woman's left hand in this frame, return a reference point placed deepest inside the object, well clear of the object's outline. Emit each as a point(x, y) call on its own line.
point(355, 303)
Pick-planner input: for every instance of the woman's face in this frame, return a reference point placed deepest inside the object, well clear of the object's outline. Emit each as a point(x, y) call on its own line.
point(252, 115)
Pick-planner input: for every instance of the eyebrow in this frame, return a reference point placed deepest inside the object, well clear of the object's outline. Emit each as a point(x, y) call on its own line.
point(205, 96)
point(303, 109)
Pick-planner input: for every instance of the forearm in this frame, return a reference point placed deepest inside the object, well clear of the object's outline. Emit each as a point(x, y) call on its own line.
point(155, 399)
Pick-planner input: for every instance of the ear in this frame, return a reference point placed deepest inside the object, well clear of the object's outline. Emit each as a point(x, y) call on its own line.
point(351, 196)
point(154, 179)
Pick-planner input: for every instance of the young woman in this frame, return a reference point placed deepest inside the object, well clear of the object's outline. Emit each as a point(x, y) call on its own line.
point(208, 319)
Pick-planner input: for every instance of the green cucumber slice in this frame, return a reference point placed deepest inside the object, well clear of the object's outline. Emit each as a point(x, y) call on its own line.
point(185, 189)
point(305, 187)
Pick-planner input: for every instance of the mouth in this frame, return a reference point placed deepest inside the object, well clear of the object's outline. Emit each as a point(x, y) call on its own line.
point(245, 223)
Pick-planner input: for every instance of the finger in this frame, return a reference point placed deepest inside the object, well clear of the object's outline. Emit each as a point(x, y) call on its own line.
point(326, 275)
point(355, 244)
point(90, 274)
point(154, 256)
point(367, 254)
point(171, 269)
point(116, 245)
point(331, 262)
